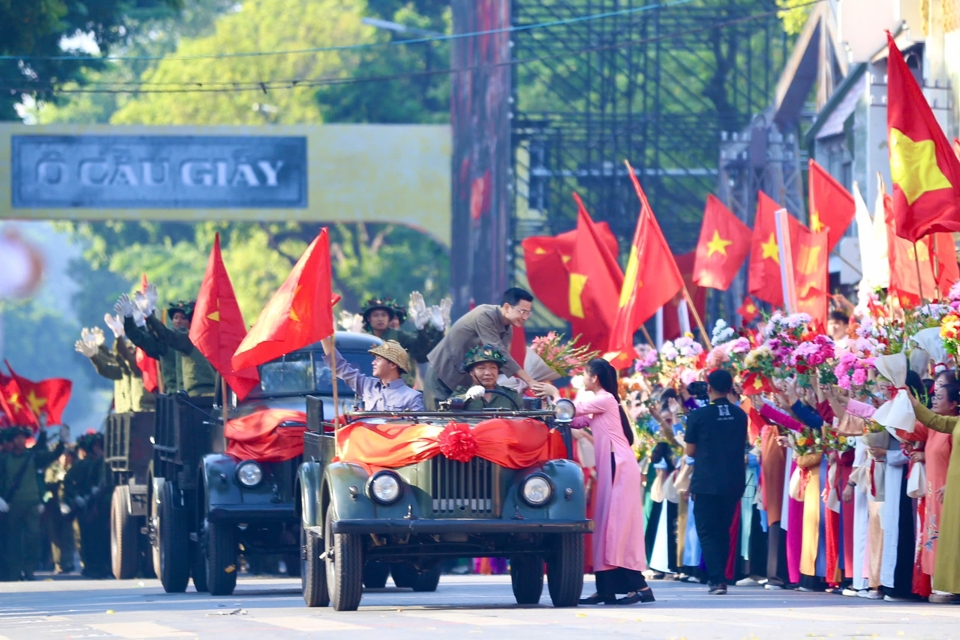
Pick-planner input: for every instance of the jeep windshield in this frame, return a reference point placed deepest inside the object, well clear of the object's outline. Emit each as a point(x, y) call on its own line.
point(305, 373)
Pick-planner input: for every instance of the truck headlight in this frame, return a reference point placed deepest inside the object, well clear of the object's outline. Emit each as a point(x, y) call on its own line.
point(249, 473)
point(565, 410)
point(536, 490)
point(385, 487)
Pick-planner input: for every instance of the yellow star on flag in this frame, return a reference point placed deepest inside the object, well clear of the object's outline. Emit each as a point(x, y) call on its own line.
point(578, 282)
point(15, 401)
point(809, 256)
point(565, 259)
point(913, 166)
point(751, 307)
point(630, 282)
point(757, 383)
point(717, 244)
point(293, 313)
point(815, 223)
point(35, 403)
point(918, 252)
point(215, 316)
point(770, 249)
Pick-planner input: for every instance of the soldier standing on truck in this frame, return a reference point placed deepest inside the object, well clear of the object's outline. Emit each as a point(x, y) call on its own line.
point(380, 313)
point(20, 504)
point(119, 365)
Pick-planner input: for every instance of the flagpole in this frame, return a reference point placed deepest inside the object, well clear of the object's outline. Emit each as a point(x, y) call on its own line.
point(646, 334)
point(696, 316)
point(336, 383)
point(916, 261)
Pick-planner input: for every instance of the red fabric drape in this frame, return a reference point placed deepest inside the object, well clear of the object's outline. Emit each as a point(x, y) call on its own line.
point(515, 444)
point(258, 436)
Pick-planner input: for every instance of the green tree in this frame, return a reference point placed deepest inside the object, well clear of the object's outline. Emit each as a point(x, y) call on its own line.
point(794, 14)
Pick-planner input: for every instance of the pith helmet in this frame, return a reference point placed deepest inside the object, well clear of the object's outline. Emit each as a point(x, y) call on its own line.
point(483, 353)
point(182, 306)
point(392, 351)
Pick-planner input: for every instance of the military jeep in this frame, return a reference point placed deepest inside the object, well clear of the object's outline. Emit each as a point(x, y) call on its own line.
point(353, 516)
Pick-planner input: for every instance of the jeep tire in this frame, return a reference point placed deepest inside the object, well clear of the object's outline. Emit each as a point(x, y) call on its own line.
point(198, 567)
point(565, 569)
point(344, 566)
point(375, 574)
point(313, 570)
point(221, 551)
point(526, 576)
point(124, 551)
point(174, 531)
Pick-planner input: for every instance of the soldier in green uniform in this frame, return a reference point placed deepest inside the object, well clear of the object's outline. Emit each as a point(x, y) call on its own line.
point(87, 495)
point(482, 364)
point(379, 313)
point(199, 377)
point(20, 500)
point(59, 525)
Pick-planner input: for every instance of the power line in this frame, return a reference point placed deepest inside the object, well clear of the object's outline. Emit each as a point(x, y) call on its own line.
point(367, 45)
point(268, 85)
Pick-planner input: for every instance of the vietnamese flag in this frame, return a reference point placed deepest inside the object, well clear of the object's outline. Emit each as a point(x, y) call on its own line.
point(15, 403)
point(811, 271)
point(547, 259)
point(924, 168)
point(651, 280)
point(754, 383)
point(595, 280)
point(947, 271)
point(832, 208)
point(908, 260)
point(300, 313)
point(748, 310)
point(765, 281)
point(723, 246)
point(47, 398)
point(218, 327)
point(671, 311)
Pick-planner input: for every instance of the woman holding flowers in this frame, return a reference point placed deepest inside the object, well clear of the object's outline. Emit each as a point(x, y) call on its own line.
point(618, 546)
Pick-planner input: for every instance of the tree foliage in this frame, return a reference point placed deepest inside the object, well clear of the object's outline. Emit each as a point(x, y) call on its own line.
point(794, 14)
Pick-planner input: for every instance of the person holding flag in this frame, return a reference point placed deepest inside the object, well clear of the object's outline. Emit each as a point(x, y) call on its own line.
point(385, 390)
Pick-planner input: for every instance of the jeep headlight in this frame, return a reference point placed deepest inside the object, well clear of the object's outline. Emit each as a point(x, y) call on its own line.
point(536, 490)
point(565, 410)
point(385, 487)
point(249, 473)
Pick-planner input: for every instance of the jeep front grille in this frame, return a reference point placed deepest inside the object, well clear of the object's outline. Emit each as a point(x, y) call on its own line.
point(462, 489)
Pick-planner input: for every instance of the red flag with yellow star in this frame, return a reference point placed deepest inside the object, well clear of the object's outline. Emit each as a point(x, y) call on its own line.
point(924, 168)
point(546, 259)
point(755, 383)
point(651, 279)
point(47, 398)
point(595, 279)
point(218, 328)
point(764, 280)
point(906, 260)
point(299, 313)
point(812, 274)
point(14, 403)
point(748, 310)
point(947, 270)
point(723, 246)
point(832, 208)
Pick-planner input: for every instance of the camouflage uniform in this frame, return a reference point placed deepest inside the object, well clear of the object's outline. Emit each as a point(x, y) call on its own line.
point(487, 353)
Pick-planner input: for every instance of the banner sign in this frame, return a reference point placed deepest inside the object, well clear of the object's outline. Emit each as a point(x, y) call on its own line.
point(158, 171)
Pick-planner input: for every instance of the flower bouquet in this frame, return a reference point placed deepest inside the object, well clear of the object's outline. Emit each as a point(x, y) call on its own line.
point(550, 358)
point(833, 440)
point(759, 361)
point(853, 371)
point(875, 435)
point(811, 354)
point(949, 329)
point(648, 362)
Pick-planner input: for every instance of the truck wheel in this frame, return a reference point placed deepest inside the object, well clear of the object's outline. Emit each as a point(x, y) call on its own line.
point(153, 532)
point(313, 573)
point(344, 566)
point(198, 567)
point(375, 574)
point(526, 576)
point(565, 570)
point(123, 535)
point(221, 551)
point(426, 580)
point(174, 530)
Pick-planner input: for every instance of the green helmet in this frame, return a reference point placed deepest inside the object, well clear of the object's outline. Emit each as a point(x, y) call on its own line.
point(182, 306)
point(88, 440)
point(483, 353)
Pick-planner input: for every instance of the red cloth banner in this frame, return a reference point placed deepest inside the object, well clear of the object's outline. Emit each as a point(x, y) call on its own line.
point(515, 444)
point(260, 437)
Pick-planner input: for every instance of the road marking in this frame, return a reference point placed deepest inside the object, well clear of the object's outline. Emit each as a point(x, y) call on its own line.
point(141, 630)
point(639, 613)
point(467, 618)
point(310, 623)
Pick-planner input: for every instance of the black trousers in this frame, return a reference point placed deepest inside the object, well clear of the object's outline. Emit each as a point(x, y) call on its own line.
point(714, 515)
point(619, 580)
point(906, 541)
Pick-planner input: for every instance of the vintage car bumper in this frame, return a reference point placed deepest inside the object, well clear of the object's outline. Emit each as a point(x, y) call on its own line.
point(455, 525)
point(251, 512)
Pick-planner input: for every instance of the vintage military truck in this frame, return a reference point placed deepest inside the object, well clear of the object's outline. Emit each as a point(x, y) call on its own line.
point(411, 517)
point(211, 506)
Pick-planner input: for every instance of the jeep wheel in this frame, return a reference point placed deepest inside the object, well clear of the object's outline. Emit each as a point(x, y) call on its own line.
point(565, 570)
point(313, 573)
point(123, 536)
point(526, 576)
point(221, 551)
point(375, 574)
point(153, 532)
point(174, 529)
point(344, 566)
point(198, 567)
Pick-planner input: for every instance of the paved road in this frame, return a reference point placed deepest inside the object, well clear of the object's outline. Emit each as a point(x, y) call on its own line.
point(473, 605)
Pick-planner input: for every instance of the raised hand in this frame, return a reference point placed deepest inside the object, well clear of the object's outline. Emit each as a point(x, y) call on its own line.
point(87, 349)
point(98, 336)
point(141, 303)
point(115, 323)
point(445, 306)
point(418, 310)
point(124, 306)
point(436, 317)
point(152, 296)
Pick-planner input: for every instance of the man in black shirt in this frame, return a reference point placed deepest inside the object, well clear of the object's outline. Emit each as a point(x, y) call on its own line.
point(715, 437)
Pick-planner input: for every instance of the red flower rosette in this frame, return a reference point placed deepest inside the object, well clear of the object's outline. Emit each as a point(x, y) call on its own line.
point(458, 443)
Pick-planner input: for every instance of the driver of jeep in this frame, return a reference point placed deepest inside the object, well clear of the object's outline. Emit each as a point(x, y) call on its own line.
point(483, 364)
